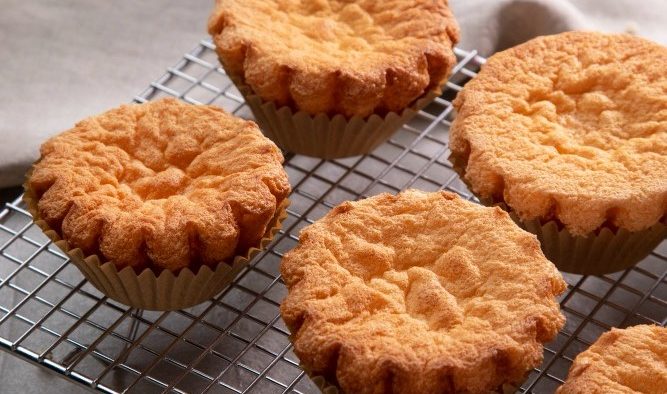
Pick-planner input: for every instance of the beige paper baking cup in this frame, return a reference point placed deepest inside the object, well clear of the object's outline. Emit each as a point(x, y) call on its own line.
point(322, 384)
point(324, 136)
point(165, 292)
point(320, 381)
point(601, 252)
point(329, 388)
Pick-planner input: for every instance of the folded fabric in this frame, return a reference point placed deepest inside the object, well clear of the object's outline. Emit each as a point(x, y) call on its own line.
point(487, 26)
point(492, 25)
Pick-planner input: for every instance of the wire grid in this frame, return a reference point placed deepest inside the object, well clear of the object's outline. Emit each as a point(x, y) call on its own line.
point(237, 343)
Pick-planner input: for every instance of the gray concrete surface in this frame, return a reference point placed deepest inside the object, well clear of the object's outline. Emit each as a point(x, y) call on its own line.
point(64, 60)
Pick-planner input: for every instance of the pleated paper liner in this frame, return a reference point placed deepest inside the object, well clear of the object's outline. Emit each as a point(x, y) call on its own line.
point(601, 252)
point(324, 136)
point(327, 387)
point(322, 384)
point(164, 292)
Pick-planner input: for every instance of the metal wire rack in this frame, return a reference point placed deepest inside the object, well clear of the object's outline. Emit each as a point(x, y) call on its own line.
point(237, 343)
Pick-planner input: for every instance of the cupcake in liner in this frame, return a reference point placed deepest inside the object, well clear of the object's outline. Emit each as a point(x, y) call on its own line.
point(539, 129)
point(145, 290)
point(601, 252)
point(322, 135)
point(168, 236)
point(320, 88)
point(364, 319)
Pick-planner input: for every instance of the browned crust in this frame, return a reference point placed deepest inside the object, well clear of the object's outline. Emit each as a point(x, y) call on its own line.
point(633, 360)
point(337, 57)
point(571, 127)
point(163, 185)
point(419, 293)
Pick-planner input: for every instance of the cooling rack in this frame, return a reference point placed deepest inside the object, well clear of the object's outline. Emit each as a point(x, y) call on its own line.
point(237, 343)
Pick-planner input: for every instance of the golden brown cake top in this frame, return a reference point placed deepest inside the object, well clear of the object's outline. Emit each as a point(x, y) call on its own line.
point(570, 127)
point(419, 292)
point(633, 360)
point(164, 185)
point(332, 56)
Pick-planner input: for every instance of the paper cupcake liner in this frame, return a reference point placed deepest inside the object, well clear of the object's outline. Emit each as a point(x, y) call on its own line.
point(329, 388)
point(164, 292)
point(324, 386)
point(324, 136)
point(601, 252)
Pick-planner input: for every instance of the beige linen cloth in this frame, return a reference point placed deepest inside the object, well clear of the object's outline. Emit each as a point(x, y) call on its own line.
point(492, 25)
point(47, 87)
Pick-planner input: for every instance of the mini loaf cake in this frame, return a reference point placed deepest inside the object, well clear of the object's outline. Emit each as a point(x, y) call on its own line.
point(570, 128)
point(419, 293)
point(161, 186)
point(332, 57)
point(629, 361)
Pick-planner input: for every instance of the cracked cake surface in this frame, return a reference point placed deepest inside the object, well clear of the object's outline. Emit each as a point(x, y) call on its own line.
point(419, 293)
point(570, 127)
point(622, 361)
point(160, 185)
point(332, 56)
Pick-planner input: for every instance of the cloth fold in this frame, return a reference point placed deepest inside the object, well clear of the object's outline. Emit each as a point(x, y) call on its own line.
point(493, 25)
point(487, 26)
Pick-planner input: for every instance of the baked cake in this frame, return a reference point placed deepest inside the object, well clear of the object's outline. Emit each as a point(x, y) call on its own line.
point(336, 57)
point(633, 360)
point(161, 185)
point(570, 127)
point(419, 292)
